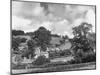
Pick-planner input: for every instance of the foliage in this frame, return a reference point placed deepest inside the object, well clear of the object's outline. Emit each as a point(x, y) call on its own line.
point(73, 61)
point(59, 54)
point(23, 40)
point(82, 29)
point(31, 44)
point(18, 59)
point(55, 35)
point(17, 32)
point(15, 43)
point(31, 48)
point(30, 33)
point(41, 60)
point(43, 37)
point(81, 44)
point(18, 66)
point(92, 39)
point(89, 58)
point(64, 38)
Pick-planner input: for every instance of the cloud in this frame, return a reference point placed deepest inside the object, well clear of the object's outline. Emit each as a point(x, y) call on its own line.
point(58, 18)
point(90, 18)
point(20, 23)
point(27, 10)
point(62, 28)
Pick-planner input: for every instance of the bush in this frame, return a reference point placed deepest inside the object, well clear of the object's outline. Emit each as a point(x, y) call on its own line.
point(17, 32)
point(18, 66)
point(59, 54)
point(73, 61)
point(41, 60)
point(86, 59)
point(89, 58)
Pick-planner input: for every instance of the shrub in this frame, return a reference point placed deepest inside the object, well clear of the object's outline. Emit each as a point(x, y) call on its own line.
point(89, 58)
point(86, 59)
point(73, 61)
point(23, 40)
point(41, 60)
point(18, 66)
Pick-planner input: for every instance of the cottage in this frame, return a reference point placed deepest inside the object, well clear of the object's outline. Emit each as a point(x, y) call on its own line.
point(38, 53)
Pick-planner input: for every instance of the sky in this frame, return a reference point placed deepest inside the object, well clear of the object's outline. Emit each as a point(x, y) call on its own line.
point(58, 18)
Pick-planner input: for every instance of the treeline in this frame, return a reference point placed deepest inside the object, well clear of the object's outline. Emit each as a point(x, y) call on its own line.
point(17, 32)
point(21, 32)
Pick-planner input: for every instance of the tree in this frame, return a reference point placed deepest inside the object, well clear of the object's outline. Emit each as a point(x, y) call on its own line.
point(92, 38)
point(15, 43)
point(43, 37)
point(30, 33)
point(64, 39)
point(17, 32)
point(41, 60)
point(23, 40)
point(30, 51)
point(81, 45)
point(82, 30)
point(31, 48)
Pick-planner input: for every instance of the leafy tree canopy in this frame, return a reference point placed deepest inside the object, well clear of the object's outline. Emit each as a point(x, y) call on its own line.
point(81, 44)
point(17, 32)
point(43, 37)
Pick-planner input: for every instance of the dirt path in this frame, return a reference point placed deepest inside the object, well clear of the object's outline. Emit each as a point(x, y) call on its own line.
point(64, 59)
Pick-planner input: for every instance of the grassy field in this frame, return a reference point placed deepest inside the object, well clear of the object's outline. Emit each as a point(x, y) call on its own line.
point(58, 68)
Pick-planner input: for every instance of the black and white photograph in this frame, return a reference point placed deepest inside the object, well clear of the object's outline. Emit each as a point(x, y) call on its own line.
point(52, 37)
